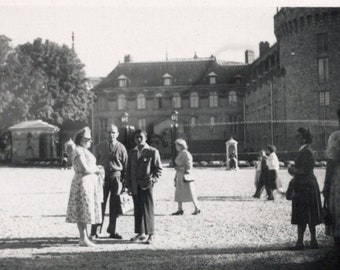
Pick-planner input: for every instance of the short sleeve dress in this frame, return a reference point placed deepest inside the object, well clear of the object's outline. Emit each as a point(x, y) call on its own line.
point(84, 205)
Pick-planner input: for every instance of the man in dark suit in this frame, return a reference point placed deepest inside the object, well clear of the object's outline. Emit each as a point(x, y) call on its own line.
point(112, 155)
point(144, 169)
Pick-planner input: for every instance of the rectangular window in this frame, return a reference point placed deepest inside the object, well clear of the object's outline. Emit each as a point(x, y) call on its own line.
point(102, 104)
point(322, 42)
point(233, 120)
point(102, 128)
point(122, 83)
point(212, 80)
point(176, 102)
point(141, 123)
point(323, 70)
point(158, 102)
point(324, 98)
point(167, 81)
point(213, 127)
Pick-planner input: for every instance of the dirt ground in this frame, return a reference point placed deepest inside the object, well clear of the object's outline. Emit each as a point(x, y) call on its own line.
point(234, 231)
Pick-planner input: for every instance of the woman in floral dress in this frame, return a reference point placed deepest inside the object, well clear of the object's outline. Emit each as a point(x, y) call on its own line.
point(185, 191)
point(84, 205)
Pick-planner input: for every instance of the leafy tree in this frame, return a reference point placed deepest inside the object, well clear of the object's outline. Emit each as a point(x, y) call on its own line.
point(65, 95)
point(42, 80)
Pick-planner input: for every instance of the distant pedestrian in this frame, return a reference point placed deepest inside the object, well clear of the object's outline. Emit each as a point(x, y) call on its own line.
point(184, 180)
point(144, 170)
point(261, 174)
point(84, 205)
point(232, 160)
point(306, 201)
point(112, 155)
point(331, 191)
point(273, 169)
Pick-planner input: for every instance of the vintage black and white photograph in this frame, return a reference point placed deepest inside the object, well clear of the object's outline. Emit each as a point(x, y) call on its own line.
point(175, 134)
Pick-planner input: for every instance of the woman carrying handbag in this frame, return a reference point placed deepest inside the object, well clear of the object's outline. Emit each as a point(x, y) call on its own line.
point(184, 182)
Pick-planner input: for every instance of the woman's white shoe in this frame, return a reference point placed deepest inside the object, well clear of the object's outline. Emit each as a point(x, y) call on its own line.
point(86, 243)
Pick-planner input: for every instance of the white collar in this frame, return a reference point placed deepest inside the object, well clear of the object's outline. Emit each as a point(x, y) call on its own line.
point(146, 146)
point(303, 146)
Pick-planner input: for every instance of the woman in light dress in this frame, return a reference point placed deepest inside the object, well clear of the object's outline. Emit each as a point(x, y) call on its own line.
point(184, 181)
point(331, 191)
point(86, 195)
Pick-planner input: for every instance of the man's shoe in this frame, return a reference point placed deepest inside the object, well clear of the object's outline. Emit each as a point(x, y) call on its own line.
point(314, 245)
point(297, 247)
point(93, 237)
point(116, 236)
point(150, 240)
point(138, 237)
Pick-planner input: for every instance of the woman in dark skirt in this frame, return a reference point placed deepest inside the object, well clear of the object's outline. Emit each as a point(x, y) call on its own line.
point(306, 201)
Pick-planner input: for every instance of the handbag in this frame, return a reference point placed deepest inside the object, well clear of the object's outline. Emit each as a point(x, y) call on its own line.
point(126, 203)
point(187, 178)
point(290, 190)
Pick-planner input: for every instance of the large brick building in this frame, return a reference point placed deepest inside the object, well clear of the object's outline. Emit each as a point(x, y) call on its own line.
point(296, 82)
point(293, 83)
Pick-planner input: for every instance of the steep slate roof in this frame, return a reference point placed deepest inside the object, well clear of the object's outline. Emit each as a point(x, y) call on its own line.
point(183, 73)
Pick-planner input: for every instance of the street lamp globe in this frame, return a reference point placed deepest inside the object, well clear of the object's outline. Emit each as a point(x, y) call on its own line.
point(174, 116)
point(125, 118)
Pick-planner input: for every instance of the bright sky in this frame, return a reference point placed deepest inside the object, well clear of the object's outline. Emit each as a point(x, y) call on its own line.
point(106, 30)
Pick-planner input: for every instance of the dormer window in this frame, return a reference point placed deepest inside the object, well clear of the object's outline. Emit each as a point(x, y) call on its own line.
point(212, 77)
point(167, 79)
point(122, 81)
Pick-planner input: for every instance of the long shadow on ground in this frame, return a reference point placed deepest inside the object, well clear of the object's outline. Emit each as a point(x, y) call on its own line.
point(265, 257)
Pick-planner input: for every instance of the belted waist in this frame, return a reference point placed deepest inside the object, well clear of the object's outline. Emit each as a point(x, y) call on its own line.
point(180, 168)
point(113, 173)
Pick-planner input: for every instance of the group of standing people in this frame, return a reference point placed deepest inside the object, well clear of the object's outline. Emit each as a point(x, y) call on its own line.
point(107, 173)
point(304, 191)
point(267, 172)
point(110, 171)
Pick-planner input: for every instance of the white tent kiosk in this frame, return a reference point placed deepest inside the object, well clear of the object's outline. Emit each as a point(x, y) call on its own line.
point(231, 146)
point(33, 140)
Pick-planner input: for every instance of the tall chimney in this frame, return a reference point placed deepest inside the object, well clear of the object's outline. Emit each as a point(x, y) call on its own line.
point(264, 47)
point(250, 56)
point(127, 58)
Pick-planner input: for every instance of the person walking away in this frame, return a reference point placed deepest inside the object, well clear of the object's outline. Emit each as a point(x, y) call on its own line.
point(306, 201)
point(261, 174)
point(144, 170)
point(112, 155)
point(84, 204)
point(331, 191)
point(184, 181)
point(273, 168)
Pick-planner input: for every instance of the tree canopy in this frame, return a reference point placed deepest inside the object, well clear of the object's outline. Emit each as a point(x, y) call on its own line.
point(42, 80)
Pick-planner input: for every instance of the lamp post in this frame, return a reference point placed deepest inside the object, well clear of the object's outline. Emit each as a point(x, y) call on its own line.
point(173, 125)
point(125, 120)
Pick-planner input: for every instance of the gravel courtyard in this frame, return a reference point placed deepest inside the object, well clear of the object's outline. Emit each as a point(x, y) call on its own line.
point(234, 230)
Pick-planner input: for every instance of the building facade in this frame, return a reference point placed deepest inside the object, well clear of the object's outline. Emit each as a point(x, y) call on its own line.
point(293, 83)
point(208, 97)
point(296, 82)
